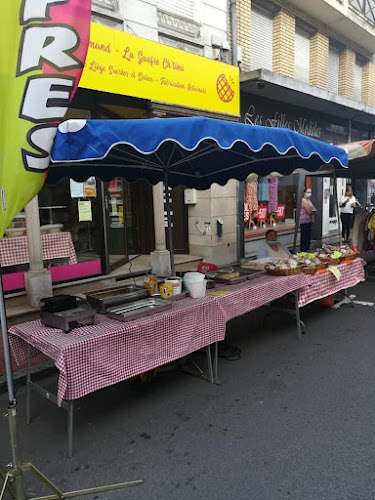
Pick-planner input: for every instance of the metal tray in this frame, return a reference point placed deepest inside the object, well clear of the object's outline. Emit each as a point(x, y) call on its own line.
point(102, 300)
point(139, 309)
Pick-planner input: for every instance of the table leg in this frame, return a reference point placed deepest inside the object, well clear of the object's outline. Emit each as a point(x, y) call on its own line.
point(209, 364)
point(28, 385)
point(298, 317)
point(70, 427)
point(216, 363)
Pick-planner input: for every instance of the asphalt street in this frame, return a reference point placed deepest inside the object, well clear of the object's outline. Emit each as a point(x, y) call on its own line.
point(291, 420)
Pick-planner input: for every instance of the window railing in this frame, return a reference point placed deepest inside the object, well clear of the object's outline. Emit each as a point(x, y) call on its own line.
point(365, 7)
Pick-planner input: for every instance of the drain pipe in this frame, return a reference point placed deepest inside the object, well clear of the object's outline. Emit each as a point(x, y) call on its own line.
point(233, 16)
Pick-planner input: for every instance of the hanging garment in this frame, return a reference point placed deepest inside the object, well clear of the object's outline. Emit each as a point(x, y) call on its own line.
point(358, 233)
point(251, 197)
point(371, 225)
point(273, 188)
point(263, 189)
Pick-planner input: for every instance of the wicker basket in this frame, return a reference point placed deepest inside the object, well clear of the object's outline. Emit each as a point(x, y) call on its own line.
point(283, 272)
point(328, 261)
point(350, 256)
point(310, 270)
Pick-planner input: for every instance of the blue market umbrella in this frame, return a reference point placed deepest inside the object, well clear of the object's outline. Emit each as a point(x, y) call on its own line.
point(194, 152)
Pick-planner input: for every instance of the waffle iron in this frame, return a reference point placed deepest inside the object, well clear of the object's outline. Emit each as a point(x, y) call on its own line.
point(65, 313)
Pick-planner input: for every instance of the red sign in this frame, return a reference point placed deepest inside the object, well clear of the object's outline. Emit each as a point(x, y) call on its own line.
point(280, 212)
point(262, 213)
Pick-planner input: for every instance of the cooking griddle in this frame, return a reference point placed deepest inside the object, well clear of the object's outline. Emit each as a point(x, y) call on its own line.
point(139, 309)
point(69, 319)
point(102, 300)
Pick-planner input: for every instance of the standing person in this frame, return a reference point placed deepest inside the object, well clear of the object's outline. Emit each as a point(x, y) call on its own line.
point(347, 206)
point(306, 219)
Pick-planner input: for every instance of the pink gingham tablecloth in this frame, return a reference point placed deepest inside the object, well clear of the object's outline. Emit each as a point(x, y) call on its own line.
point(14, 251)
point(92, 357)
point(257, 292)
point(322, 285)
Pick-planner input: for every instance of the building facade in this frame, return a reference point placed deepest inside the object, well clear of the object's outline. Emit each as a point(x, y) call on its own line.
point(95, 226)
point(308, 66)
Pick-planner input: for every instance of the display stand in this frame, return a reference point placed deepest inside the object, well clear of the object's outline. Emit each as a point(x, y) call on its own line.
point(13, 480)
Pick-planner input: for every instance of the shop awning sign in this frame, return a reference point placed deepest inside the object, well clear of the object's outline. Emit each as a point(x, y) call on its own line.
point(44, 45)
point(122, 63)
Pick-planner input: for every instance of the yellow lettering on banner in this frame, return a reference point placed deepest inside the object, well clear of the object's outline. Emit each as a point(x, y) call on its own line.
point(121, 63)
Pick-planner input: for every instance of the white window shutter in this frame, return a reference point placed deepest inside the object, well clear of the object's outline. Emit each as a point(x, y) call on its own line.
point(261, 39)
point(302, 56)
point(184, 8)
point(333, 69)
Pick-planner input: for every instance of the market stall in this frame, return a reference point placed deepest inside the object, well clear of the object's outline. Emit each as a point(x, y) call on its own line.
point(96, 356)
point(194, 152)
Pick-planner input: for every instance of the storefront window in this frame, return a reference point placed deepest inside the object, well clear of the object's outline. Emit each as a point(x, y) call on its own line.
point(269, 202)
point(71, 230)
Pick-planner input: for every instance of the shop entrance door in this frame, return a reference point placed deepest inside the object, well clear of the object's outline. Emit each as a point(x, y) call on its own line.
point(118, 223)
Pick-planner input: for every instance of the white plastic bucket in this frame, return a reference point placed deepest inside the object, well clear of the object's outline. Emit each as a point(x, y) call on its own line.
point(197, 289)
point(176, 285)
point(193, 277)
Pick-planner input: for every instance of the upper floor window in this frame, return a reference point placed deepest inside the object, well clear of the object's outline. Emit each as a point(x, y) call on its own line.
point(302, 55)
point(182, 8)
point(106, 4)
point(333, 68)
point(261, 38)
point(365, 7)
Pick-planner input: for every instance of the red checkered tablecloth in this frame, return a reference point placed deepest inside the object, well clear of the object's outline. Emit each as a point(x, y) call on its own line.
point(257, 292)
point(14, 251)
point(92, 357)
point(325, 284)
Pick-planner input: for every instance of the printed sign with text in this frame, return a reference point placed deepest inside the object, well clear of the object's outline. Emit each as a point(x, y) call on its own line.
point(122, 63)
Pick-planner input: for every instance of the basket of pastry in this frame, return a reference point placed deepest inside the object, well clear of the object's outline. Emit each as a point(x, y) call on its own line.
point(347, 252)
point(310, 263)
point(329, 255)
point(285, 267)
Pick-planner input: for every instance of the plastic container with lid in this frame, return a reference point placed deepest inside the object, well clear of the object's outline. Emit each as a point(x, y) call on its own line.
point(193, 277)
point(196, 289)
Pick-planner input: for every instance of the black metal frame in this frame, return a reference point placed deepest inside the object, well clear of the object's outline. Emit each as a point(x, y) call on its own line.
point(365, 7)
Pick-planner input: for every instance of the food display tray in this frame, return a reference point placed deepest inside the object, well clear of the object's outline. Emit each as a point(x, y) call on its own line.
point(102, 300)
point(139, 309)
point(216, 275)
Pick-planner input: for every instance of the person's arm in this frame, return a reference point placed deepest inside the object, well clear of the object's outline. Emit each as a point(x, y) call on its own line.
point(262, 252)
point(354, 202)
point(307, 206)
point(343, 202)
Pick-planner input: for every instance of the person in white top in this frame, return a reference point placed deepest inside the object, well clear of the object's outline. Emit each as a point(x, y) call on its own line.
point(272, 247)
point(347, 205)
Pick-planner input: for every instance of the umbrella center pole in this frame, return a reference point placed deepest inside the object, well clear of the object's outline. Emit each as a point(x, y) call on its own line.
point(169, 220)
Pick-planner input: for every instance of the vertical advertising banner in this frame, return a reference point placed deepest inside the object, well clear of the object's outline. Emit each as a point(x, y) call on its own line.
point(43, 51)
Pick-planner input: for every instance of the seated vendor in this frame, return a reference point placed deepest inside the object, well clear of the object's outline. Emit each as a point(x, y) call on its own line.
point(272, 247)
